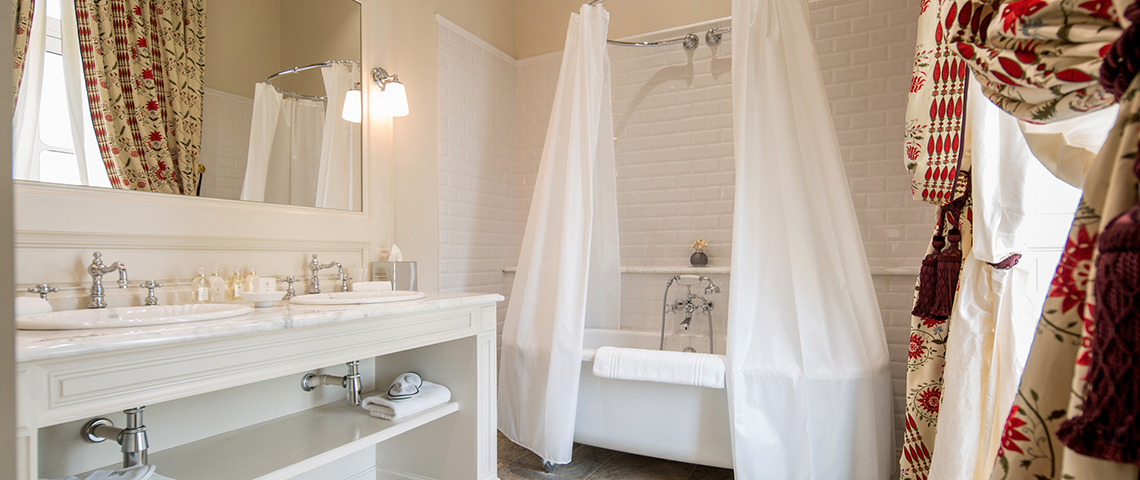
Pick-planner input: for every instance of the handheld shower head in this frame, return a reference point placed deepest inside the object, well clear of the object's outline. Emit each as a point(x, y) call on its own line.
point(712, 289)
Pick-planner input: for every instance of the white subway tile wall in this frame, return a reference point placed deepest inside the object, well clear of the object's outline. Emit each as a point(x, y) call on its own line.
point(226, 119)
point(673, 129)
point(479, 227)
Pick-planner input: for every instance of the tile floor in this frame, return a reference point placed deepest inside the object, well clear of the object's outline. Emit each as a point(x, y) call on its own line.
point(593, 463)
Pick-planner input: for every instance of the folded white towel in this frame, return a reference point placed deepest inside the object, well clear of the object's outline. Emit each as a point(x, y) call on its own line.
point(141, 472)
point(680, 368)
point(30, 305)
point(431, 395)
point(371, 286)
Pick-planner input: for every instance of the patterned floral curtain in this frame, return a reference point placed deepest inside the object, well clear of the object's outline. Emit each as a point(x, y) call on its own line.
point(1039, 60)
point(23, 10)
point(144, 63)
point(926, 358)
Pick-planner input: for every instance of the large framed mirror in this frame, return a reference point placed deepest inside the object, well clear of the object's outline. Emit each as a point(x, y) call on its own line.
point(276, 75)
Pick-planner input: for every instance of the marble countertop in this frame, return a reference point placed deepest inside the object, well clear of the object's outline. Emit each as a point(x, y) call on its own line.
point(33, 345)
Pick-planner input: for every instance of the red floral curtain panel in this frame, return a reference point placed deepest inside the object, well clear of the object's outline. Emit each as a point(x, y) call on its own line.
point(1040, 60)
point(144, 64)
point(23, 10)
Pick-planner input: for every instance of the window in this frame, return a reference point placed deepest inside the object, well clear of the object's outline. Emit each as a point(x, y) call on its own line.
point(54, 157)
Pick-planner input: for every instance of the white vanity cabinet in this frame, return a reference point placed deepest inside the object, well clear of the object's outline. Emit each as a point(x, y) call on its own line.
point(224, 401)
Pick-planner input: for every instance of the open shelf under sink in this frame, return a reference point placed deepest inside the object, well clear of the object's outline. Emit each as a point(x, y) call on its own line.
point(287, 446)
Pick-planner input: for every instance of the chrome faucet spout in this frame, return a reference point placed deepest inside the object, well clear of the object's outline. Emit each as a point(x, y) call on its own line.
point(314, 267)
point(97, 270)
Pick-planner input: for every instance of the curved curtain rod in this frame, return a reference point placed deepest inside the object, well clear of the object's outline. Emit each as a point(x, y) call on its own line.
point(689, 41)
point(301, 69)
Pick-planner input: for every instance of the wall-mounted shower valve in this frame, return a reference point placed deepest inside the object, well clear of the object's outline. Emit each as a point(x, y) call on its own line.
point(350, 382)
point(133, 438)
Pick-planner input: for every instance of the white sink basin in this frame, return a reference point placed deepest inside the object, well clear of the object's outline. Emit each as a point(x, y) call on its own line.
point(356, 298)
point(128, 316)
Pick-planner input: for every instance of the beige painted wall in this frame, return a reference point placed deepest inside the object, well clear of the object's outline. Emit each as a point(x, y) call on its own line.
point(248, 40)
point(240, 52)
point(312, 35)
point(542, 23)
point(415, 58)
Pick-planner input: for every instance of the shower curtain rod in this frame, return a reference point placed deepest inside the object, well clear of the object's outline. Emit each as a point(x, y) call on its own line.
point(301, 69)
point(689, 42)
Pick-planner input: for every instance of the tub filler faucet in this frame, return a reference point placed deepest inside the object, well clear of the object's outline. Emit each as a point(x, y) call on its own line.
point(316, 266)
point(97, 270)
point(690, 304)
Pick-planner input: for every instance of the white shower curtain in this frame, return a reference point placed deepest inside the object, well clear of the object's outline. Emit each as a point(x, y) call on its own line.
point(284, 149)
point(338, 179)
point(808, 384)
point(568, 270)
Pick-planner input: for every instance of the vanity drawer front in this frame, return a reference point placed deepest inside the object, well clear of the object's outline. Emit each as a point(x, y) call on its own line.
point(98, 384)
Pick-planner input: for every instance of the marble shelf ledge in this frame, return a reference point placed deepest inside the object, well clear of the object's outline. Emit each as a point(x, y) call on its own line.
point(722, 270)
point(32, 345)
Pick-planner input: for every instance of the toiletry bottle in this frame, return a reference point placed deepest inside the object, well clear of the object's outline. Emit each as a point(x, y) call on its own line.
point(235, 286)
point(201, 293)
point(217, 287)
point(252, 279)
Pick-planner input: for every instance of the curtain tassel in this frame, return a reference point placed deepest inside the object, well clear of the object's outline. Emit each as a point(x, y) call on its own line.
point(928, 279)
point(1108, 426)
point(949, 265)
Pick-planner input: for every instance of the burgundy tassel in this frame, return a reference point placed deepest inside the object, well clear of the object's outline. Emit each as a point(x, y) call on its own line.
point(949, 264)
point(1108, 426)
point(928, 280)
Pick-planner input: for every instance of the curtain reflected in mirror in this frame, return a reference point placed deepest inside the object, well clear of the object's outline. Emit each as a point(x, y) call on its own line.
point(190, 110)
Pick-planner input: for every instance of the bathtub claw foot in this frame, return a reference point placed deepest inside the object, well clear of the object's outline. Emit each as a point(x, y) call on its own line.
point(548, 466)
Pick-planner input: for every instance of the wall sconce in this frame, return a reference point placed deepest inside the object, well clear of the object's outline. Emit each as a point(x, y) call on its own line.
point(351, 111)
point(393, 98)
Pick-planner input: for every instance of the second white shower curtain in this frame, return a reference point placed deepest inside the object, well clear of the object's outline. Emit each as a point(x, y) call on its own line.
point(808, 384)
point(568, 272)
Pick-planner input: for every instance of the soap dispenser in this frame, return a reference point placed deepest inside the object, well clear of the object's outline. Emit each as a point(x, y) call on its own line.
point(201, 293)
point(235, 286)
point(217, 287)
point(252, 280)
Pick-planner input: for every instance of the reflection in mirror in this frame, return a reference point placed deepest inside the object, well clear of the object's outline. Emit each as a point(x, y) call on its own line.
point(225, 111)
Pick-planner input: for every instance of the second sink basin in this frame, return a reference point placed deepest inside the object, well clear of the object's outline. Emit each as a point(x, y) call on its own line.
point(117, 317)
point(356, 298)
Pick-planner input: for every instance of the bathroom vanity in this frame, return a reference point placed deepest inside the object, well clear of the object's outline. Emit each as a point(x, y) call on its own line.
point(224, 397)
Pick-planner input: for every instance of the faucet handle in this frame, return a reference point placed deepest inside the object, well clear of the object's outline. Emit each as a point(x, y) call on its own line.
point(289, 292)
point(150, 285)
point(343, 278)
point(43, 289)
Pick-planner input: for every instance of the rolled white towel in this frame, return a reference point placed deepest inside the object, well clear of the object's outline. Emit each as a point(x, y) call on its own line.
point(30, 305)
point(141, 472)
point(431, 395)
point(680, 368)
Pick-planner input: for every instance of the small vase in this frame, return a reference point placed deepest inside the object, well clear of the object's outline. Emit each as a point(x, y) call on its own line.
point(699, 259)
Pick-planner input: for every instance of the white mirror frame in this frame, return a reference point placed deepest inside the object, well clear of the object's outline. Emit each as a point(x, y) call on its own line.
point(54, 224)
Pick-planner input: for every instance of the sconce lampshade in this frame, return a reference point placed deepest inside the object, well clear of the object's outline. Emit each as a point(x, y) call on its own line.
point(351, 111)
point(394, 100)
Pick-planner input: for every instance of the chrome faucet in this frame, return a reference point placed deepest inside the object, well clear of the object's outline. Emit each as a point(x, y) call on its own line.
point(316, 266)
point(691, 303)
point(97, 270)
